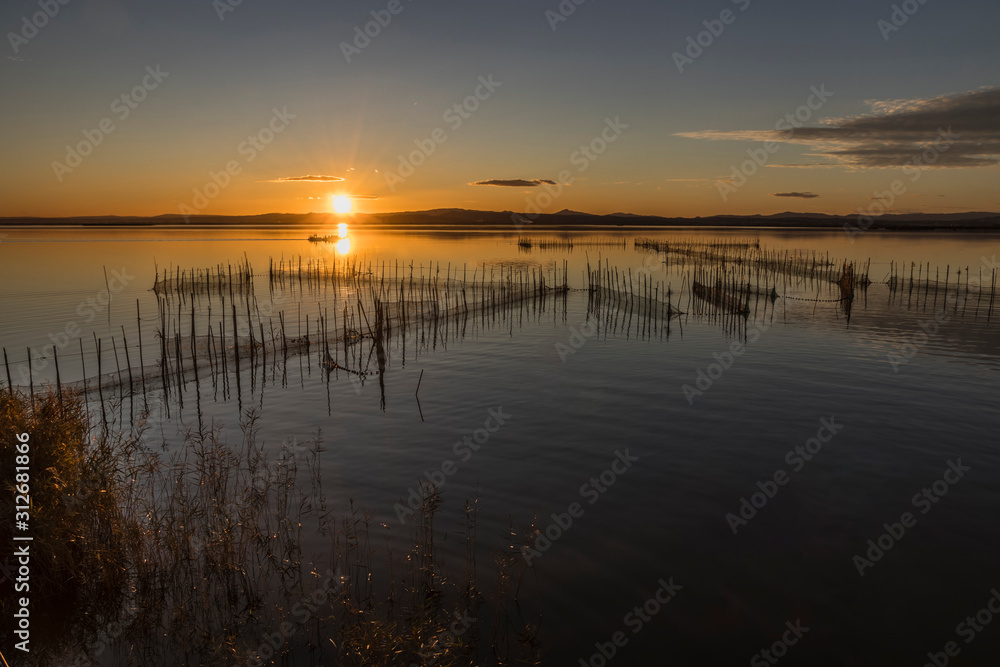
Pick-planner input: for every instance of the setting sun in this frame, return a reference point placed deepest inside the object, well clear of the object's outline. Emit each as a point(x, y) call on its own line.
point(342, 204)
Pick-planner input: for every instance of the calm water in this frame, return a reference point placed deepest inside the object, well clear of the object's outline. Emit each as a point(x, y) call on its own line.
point(578, 388)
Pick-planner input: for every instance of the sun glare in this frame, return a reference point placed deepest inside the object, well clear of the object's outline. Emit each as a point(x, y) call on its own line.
point(342, 230)
point(342, 204)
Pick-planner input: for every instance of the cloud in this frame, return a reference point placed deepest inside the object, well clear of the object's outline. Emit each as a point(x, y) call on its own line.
point(327, 197)
point(797, 195)
point(895, 133)
point(805, 165)
point(306, 179)
point(515, 183)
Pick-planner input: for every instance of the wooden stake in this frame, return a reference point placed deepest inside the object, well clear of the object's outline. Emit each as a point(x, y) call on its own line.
point(138, 326)
point(83, 365)
point(31, 381)
point(131, 387)
point(10, 385)
point(100, 381)
point(55, 356)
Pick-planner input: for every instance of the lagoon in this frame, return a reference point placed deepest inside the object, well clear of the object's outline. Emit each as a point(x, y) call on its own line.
point(650, 436)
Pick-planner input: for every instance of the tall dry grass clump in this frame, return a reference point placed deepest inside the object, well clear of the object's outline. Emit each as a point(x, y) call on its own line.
point(219, 553)
point(83, 542)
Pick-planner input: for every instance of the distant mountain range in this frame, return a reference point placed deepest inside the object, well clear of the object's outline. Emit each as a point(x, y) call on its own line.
point(565, 219)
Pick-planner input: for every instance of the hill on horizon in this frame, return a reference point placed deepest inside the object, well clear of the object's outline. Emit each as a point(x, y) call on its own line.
point(565, 218)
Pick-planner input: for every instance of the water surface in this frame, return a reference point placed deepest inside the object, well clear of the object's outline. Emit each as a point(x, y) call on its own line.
point(580, 384)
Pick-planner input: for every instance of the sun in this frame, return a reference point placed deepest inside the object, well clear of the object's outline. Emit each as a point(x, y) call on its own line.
point(342, 204)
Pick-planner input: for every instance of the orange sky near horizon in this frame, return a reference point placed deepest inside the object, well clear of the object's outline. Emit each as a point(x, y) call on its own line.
point(106, 189)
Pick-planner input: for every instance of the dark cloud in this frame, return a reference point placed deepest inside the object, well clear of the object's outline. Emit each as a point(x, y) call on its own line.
point(948, 131)
point(797, 195)
point(515, 183)
point(307, 179)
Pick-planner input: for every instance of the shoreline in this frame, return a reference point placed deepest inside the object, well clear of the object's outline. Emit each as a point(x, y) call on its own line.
point(903, 227)
point(471, 220)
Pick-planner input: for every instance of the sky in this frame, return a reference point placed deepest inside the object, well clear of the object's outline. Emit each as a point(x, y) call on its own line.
point(675, 108)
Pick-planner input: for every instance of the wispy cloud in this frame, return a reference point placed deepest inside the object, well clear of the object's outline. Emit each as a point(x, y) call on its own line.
point(896, 132)
point(515, 183)
point(805, 165)
point(327, 197)
point(306, 179)
point(796, 195)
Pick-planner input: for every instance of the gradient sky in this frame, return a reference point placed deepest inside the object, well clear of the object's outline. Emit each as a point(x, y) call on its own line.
point(687, 131)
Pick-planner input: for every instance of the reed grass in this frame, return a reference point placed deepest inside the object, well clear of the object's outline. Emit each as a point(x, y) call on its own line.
point(83, 541)
point(202, 556)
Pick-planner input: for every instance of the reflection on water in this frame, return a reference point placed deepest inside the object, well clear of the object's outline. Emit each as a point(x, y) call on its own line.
point(589, 350)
